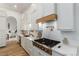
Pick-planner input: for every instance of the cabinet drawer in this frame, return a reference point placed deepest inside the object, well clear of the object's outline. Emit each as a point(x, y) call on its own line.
point(54, 53)
point(39, 52)
point(65, 14)
point(2, 42)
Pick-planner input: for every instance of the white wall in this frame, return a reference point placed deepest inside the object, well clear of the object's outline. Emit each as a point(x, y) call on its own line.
point(4, 31)
point(73, 36)
point(13, 25)
point(27, 19)
point(15, 15)
point(35, 12)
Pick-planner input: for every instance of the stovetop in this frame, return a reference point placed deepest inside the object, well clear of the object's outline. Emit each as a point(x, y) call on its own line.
point(47, 42)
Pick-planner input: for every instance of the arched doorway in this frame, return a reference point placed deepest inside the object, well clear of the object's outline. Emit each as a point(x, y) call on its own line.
point(11, 27)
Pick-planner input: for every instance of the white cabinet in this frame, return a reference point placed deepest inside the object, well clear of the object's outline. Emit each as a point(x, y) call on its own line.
point(2, 38)
point(29, 46)
point(3, 25)
point(48, 8)
point(39, 52)
point(65, 14)
point(54, 53)
point(2, 13)
point(2, 41)
point(26, 43)
point(3, 29)
point(23, 42)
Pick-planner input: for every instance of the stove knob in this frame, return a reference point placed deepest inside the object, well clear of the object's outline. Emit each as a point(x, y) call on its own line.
point(42, 48)
point(38, 46)
point(59, 46)
point(45, 49)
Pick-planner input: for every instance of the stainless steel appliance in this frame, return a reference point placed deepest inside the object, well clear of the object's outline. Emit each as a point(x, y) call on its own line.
point(45, 44)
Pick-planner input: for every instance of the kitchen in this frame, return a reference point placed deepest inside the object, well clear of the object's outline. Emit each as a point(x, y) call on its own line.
point(44, 29)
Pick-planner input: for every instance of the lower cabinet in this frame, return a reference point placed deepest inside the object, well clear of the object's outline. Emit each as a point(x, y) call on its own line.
point(23, 42)
point(39, 52)
point(2, 41)
point(56, 54)
point(26, 43)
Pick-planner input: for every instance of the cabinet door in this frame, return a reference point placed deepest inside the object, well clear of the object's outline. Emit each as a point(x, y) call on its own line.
point(54, 53)
point(24, 43)
point(2, 40)
point(29, 48)
point(3, 23)
point(27, 45)
point(36, 52)
point(65, 12)
point(48, 8)
point(39, 52)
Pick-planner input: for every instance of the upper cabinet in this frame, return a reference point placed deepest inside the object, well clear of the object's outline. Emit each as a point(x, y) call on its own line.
point(65, 13)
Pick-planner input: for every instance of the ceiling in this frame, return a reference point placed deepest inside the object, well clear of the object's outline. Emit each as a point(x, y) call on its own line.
point(19, 7)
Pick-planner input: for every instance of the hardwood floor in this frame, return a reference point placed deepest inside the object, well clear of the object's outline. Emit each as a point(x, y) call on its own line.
point(12, 49)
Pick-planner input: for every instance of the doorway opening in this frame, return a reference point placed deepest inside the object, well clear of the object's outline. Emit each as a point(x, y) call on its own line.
point(11, 28)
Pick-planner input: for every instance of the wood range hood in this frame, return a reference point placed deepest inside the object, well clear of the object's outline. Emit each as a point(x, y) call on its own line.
point(48, 18)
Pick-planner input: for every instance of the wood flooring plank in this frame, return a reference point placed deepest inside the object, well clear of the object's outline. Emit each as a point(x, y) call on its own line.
point(12, 49)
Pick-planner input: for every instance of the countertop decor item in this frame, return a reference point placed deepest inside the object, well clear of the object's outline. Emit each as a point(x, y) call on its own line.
point(65, 41)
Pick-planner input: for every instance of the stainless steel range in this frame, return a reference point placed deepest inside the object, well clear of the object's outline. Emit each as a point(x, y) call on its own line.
point(45, 44)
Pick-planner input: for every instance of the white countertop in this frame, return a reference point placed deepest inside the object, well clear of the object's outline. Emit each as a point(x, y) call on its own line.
point(65, 50)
